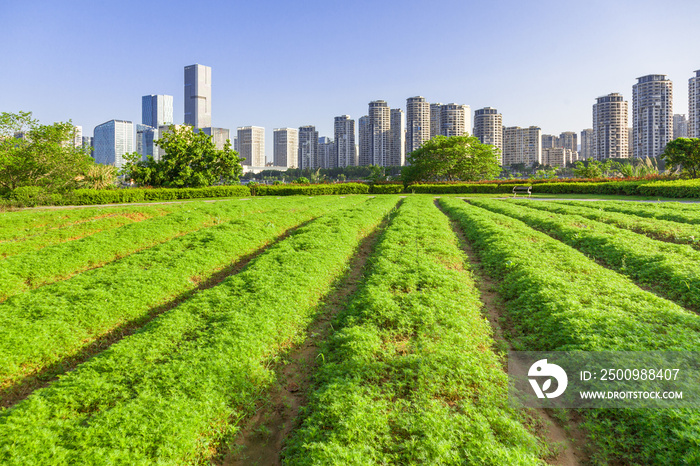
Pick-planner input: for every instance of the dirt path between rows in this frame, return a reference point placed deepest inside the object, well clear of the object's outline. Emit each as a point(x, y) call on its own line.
point(262, 438)
point(562, 433)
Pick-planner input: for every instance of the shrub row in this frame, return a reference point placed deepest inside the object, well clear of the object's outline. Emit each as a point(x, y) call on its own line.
point(168, 393)
point(670, 269)
point(608, 187)
point(32, 269)
point(309, 189)
point(41, 327)
point(675, 188)
point(559, 300)
point(118, 196)
point(674, 232)
point(410, 377)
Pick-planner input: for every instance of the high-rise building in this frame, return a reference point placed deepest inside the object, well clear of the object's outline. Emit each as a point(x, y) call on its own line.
point(652, 114)
point(435, 119)
point(198, 96)
point(286, 147)
point(364, 140)
point(379, 132)
point(455, 120)
point(308, 147)
point(630, 148)
point(78, 137)
point(251, 145)
point(522, 145)
point(549, 141)
point(558, 156)
point(587, 151)
point(145, 141)
point(218, 135)
point(157, 110)
point(694, 106)
point(610, 127)
point(344, 133)
point(112, 140)
point(417, 122)
point(87, 145)
point(488, 127)
point(326, 151)
point(680, 126)
point(569, 140)
point(397, 151)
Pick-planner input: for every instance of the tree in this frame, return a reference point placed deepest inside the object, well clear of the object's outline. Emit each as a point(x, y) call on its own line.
point(191, 160)
point(451, 158)
point(684, 152)
point(589, 169)
point(39, 155)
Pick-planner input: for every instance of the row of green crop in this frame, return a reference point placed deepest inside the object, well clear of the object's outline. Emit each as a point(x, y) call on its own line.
point(43, 326)
point(410, 377)
point(557, 299)
point(32, 269)
point(167, 394)
point(42, 238)
point(664, 230)
point(670, 269)
point(671, 211)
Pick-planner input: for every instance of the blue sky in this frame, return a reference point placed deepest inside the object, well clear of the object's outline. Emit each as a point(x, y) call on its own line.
point(277, 64)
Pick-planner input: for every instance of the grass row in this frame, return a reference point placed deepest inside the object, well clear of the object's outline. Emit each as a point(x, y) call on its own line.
point(664, 230)
point(668, 268)
point(671, 211)
point(50, 264)
point(44, 326)
point(559, 300)
point(411, 376)
point(167, 394)
point(75, 231)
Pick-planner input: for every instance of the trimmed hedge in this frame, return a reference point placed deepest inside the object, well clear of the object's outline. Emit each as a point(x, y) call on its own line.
point(309, 189)
point(386, 189)
point(675, 188)
point(118, 196)
point(568, 187)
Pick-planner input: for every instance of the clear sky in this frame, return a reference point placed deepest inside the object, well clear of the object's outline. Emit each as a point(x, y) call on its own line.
point(288, 64)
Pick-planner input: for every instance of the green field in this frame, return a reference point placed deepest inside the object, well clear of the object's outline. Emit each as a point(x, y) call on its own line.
point(319, 330)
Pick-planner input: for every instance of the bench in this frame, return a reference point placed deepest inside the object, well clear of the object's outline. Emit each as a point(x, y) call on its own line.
point(522, 190)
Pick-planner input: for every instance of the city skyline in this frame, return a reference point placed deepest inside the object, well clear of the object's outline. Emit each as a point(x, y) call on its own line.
point(492, 60)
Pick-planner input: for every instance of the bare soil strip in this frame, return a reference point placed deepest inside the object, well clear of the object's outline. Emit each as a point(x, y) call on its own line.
point(559, 429)
point(17, 392)
point(262, 436)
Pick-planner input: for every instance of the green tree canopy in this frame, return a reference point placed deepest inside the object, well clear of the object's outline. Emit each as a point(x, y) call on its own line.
point(191, 160)
point(453, 158)
point(684, 152)
point(39, 155)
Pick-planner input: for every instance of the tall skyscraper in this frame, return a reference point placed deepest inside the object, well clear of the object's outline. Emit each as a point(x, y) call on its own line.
point(455, 119)
point(364, 141)
point(344, 134)
point(397, 151)
point(326, 151)
point(694, 106)
point(630, 148)
point(435, 119)
point(112, 140)
point(379, 132)
point(417, 122)
point(610, 127)
point(198, 96)
point(522, 145)
point(569, 140)
point(145, 141)
point(286, 147)
point(587, 151)
point(488, 127)
point(308, 147)
point(157, 110)
point(549, 141)
point(680, 126)
point(652, 114)
point(251, 145)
